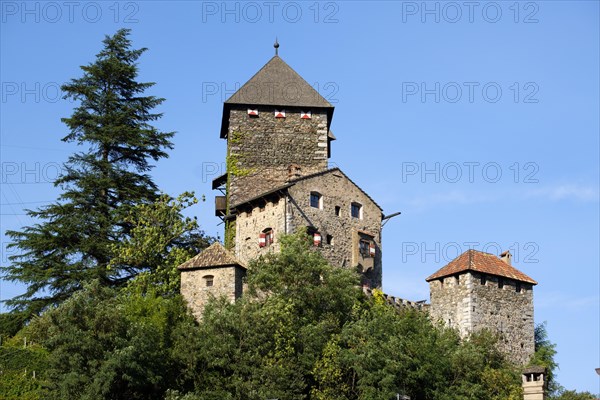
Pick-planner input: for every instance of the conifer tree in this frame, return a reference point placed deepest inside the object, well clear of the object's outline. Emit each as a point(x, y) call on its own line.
point(71, 242)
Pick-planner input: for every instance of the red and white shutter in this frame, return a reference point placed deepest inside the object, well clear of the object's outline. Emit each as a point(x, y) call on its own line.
point(279, 113)
point(305, 114)
point(317, 239)
point(253, 112)
point(372, 249)
point(262, 240)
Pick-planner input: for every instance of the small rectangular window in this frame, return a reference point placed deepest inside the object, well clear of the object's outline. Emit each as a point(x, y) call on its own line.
point(338, 211)
point(356, 210)
point(364, 247)
point(329, 239)
point(316, 200)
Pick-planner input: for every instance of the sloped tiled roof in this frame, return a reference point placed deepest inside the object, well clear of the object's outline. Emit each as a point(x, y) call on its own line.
point(214, 256)
point(473, 260)
point(303, 178)
point(277, 84)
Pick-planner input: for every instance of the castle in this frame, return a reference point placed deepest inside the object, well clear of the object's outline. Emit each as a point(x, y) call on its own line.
point(278, 136)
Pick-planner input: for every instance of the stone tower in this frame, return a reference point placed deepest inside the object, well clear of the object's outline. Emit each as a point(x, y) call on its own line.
point(479, 290)
point(277, 127)
point(278, 136)
point(277, 181)
point(214, 272)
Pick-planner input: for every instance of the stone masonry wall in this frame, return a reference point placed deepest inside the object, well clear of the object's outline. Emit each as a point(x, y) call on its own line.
point(227, 281)
point(262, 148)
point(250, 224)
point(294, 211)
point(469, 306)
point(337, 190)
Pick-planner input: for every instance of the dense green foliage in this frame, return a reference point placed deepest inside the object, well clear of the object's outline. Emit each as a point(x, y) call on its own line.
point(72, 242)
point(303, 330)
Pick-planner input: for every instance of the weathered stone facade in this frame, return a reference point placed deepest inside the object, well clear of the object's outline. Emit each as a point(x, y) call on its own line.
point(471, 301)
point(226, 281)
point(215, 272)
point(264, 152)
point(341, 233)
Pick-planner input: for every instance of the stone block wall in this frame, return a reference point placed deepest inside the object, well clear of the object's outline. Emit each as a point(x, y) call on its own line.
point(227, 281)
point(337, 190)
point(340, 234)
point(253, 221)
point(261, 149)
point(468, 303)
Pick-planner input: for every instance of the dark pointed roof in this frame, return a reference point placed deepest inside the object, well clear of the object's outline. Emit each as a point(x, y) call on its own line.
point(473, 260)
point(275, 84)
point(213, 256)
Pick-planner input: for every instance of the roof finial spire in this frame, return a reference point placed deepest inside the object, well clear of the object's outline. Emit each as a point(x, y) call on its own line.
point(276, 45)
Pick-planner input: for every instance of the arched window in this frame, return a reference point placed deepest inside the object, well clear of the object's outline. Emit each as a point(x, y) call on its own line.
point(209, 280)
point(316, 200)
point(356, 210)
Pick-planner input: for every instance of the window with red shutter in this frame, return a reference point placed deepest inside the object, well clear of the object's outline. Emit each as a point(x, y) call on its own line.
point(262, 240)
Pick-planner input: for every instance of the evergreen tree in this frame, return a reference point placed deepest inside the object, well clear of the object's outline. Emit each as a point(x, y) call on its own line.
point(72, 242)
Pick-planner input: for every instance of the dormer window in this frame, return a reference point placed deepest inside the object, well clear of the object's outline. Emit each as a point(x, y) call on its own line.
point(356, 210)
point(279, 113)
point(305, 114)
point(316, 200)
point(253, 112)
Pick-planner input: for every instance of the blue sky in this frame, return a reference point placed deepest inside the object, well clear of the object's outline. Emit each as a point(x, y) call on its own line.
point(479, 121)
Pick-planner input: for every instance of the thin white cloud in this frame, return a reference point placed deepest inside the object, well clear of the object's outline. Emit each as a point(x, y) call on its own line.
point(557, 300)
point(587, 193)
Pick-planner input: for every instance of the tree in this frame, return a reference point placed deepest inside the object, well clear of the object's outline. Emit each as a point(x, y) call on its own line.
point(160, 239)
point(304, 329)
point(72, 242)
point(544, 357)
point(545, 351)
point(109, 344)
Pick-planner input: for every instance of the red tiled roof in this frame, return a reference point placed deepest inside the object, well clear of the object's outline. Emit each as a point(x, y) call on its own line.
point(473, 260)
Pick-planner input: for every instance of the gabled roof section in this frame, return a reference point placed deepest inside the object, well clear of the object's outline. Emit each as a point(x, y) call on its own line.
point(303, 178)
point(331, 170)
point(213, 256)
point(473, 260)
point(277, 84)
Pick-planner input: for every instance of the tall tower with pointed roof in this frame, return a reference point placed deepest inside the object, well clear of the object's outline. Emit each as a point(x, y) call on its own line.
point(479, 290)
point(277, 128)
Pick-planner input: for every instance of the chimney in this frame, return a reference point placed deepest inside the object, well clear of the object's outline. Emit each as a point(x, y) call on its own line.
point(506, 257)
point(534, 383)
